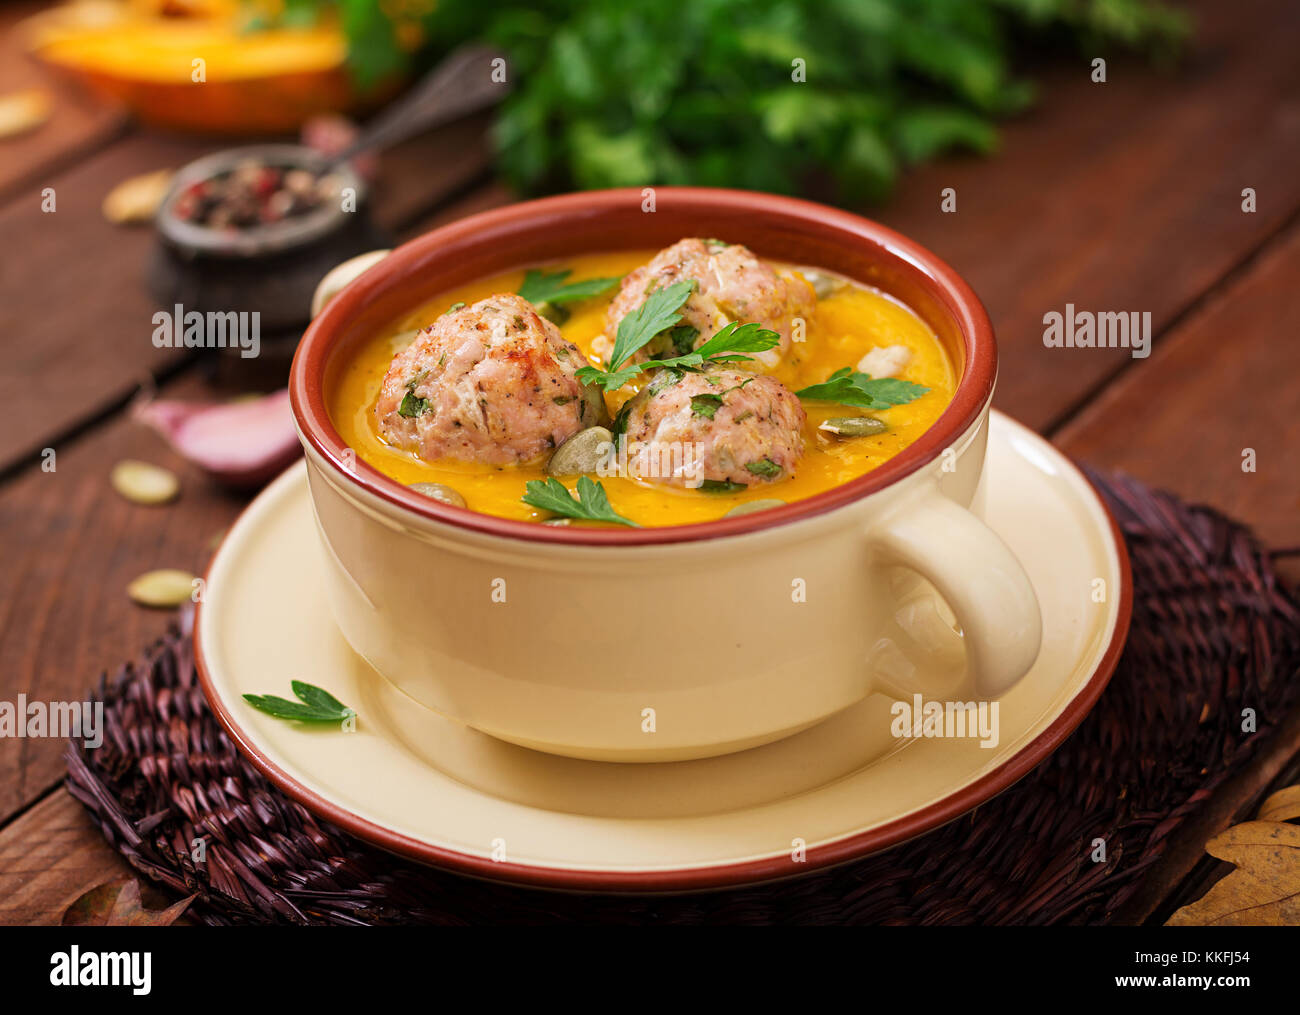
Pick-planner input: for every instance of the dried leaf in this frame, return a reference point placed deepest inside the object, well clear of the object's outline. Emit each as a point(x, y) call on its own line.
point(164, 587)
point(1284, 805)
point(136, 199)
point(117, 904)
point(1264, 890)
point(23, 111)
point(143, 482)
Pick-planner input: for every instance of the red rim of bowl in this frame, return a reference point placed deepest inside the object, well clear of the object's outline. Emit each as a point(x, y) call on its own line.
point(807, 222)
point(717, 876)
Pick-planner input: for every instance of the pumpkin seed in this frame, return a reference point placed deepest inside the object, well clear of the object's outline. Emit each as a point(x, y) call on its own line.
point(854, 426)
point(136, 199)
point(165, 587)
point(438, 492)
point(582, 453)
point(558, 521)
point(594, 411)
point(144, 483)
point(23, 111)
point(750, 506)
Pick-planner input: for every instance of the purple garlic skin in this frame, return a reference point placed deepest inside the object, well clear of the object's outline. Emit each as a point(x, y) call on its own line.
point(240, 444)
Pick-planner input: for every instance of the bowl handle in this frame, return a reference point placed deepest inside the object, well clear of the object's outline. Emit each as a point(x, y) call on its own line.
point(984, 585)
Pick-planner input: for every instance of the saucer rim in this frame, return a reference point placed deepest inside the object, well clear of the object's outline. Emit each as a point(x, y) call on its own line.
point(719, 875)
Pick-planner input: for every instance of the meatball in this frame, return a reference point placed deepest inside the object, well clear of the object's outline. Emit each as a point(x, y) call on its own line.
point(722, 426)
point(731, 285)
point(492, 382)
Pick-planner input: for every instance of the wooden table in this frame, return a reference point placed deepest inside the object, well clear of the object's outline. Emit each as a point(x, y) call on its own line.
point(1118, 196)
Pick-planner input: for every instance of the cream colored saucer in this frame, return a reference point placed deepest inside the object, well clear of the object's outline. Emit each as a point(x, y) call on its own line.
point(421, 785)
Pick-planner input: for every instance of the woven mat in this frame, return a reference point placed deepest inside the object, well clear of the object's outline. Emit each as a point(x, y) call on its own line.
point(1213, 632)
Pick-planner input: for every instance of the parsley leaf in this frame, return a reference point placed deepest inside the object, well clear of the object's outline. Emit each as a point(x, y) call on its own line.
point(413, 406)
point(591, 504)
point(738, 338)
point(660, 311)
point(721, 486)
point(730, 345)
point(610, 380)
point(682, 338)
point(705, 405)
point(315, 705)
point(619, 427)
point(863, 391)
point(539, 287)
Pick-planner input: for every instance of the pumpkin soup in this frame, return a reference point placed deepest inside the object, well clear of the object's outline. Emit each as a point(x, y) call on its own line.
point(662, 388)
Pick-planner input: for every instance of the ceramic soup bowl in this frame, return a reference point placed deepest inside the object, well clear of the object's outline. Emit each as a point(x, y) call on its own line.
point(662, 644)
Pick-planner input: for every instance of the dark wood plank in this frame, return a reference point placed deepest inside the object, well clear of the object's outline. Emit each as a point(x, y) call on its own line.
point(1120, 196)
point(49, 857)
point(1223, 382)
point(78, 123)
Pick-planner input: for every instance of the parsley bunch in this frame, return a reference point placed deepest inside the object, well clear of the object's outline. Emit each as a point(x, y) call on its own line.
point(636, 92)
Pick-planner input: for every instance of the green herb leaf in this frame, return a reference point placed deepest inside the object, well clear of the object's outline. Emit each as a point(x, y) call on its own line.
point(539, 287)
point(413, 406)
point(731, 344)
point(619, 427)
point(682, 338)
point(705, 405)
point(610, 380)
point(660, 311)
point(738, 338)
point(612, 93)
point(764, 467)
point(315, 705)
point(454, 307)
point(591, 504)
point(317, 697)
point(849, 387)
point(721, 486)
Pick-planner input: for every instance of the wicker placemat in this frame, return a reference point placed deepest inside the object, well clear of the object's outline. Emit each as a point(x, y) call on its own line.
point(1213, 632)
